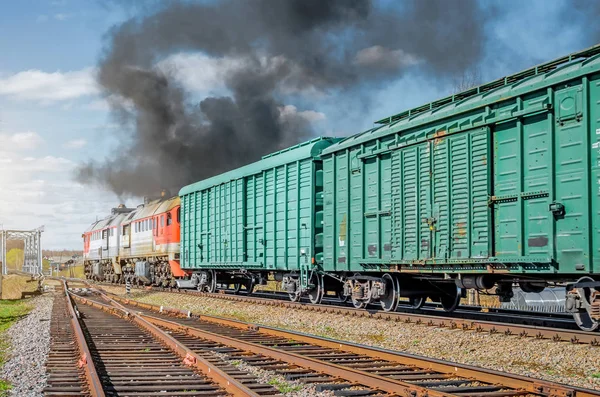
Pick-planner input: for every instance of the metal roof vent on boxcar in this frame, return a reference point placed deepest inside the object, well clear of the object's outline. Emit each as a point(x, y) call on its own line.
point(487, 94)
point(504, 81)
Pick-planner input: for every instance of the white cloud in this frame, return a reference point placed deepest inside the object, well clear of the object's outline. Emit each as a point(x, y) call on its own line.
point(41, 18)
point(384, 58)
point(75, 144)
point(21, 141)
point(40, 190)
point(49, 87)
point(45, 164)
point(15, 167)
point(64, 207)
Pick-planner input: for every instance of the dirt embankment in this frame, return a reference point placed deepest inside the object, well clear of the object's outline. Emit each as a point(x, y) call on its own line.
point(16, 286)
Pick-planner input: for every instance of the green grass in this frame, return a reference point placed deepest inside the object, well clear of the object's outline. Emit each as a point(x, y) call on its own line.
point(4, 388)
point(284, 387)
point(10, 311)
point(596, 375)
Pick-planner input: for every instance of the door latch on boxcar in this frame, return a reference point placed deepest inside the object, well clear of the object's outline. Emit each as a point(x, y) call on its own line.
point(557, 209)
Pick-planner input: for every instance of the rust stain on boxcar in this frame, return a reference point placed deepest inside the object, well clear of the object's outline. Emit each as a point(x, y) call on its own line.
point(342, 259)
point(342, 236)
point(438, 136)
point(387, 247)
point(462, 228)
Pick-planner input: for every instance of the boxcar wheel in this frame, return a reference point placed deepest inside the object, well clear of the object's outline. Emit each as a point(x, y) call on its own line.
point(451, 299)
point(249, 286)
point(389, 302)
point(316, 294)
point(212, 283)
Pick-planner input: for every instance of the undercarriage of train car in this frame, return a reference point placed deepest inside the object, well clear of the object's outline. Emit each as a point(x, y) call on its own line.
point(213, 280)
point(140, 271)
point(388, 289)
point(381, 289)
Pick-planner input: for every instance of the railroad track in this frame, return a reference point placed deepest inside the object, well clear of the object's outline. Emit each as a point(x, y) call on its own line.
point(118, 354)
point(69, 372)
point(442, 320)
point(346, 368)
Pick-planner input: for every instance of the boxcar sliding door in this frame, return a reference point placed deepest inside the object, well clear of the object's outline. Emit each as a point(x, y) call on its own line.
point(411, 203)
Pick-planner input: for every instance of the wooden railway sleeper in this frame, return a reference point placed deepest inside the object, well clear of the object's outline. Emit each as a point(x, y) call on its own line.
point(189, 357)
point(511, 384)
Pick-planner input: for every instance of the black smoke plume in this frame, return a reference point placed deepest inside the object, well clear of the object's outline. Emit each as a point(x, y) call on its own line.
point(282, 48)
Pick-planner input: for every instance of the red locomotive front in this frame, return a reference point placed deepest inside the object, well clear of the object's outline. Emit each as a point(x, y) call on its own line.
point(140, 245)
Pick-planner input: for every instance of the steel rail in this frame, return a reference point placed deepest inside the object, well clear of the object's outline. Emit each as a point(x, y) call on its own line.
point(91, 375)
point(231, 385)
point(374, 382)
point(370, 380)
point(492, 327)
point(520, 383)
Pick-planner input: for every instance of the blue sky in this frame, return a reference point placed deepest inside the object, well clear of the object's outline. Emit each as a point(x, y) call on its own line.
point(53, 117)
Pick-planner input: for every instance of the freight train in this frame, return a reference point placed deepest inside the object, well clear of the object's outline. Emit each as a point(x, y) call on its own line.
point(486, 189)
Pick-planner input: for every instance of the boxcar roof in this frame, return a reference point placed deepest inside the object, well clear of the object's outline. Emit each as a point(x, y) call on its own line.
point(536, 78)
point(301, 151)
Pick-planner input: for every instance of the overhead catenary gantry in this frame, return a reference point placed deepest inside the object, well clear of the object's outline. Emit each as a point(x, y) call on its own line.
point(32, 249)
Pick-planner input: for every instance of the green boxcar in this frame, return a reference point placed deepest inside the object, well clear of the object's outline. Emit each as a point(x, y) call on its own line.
point(502, 179)
point(490, 187)
point(258, 217)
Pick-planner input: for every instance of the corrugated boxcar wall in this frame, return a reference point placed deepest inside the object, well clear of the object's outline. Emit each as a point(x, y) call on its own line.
point(523, 189)
point(261, 221)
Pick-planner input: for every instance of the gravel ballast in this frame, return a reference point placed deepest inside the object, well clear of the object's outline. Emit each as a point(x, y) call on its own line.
point(29, 341)
point(563, 362)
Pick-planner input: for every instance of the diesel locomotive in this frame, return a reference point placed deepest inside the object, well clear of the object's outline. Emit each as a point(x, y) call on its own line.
point(140, 244)
point(490, 188)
